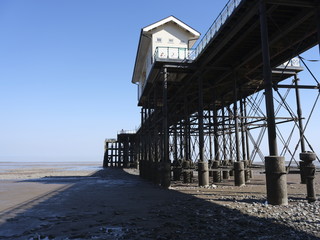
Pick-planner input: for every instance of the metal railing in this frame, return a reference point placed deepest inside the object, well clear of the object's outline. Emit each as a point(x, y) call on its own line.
point(294, 62)
point(172, 53)
point(215, 27)
point(181, 54)
point(176, 53)
point(122, 131)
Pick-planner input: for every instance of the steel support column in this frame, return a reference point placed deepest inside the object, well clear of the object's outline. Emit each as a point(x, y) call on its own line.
point(145, 141)
point(176, 168)
point(112, 155)
point(157, 177)
point(200, 121)
point(246, 129)
point(175, 143)
point(186, 164)
point(106, 155)
point(216, 161)
point(239, 179)
point(119, 148)
point(203, 171)
point(225, 174)
point(243, 141)
point(176, 164)
point(181, 140)
point(149, 145)
point(307, 168)
point(231, 155)
point(236, 122)
point(210, 134)
point(155, 132)
point(267, 75)
point(276, 179)
point(186, 141)
point(166, 166)
point(165, 117)
point(215, 130)
point(224, 140)
point(142, 147)
point(150, 157)
point(126, 152)
point(230, 135)
point(299, 113)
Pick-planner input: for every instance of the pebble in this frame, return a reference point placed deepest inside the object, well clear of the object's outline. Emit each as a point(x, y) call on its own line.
point(299, 215)
point(236, 220)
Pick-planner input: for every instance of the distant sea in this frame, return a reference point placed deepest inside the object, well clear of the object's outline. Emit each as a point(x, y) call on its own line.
point(76, 165)
point(94, 158)
point(63, 166)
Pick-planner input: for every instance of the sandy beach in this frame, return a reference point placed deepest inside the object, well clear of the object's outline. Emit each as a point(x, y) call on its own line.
point(83, 201)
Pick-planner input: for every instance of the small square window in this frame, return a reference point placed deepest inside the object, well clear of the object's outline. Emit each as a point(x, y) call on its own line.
point(159, 40)
point(170, 40)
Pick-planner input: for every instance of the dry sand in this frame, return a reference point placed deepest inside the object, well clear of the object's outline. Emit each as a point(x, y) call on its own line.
point(61, 201)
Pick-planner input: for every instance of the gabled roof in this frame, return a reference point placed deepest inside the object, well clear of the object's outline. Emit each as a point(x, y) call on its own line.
point(171, 19)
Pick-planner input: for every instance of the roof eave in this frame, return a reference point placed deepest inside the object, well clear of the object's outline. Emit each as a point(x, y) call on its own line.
point(137, 56)
point(174, 19)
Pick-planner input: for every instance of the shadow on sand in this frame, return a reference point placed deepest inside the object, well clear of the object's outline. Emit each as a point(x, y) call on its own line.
point(113, 204)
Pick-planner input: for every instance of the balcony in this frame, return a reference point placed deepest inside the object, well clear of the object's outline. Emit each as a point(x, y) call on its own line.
point(173, 54)
point(293, 63)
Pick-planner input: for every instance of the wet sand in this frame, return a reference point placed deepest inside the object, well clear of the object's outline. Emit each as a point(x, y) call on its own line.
point(87, 202)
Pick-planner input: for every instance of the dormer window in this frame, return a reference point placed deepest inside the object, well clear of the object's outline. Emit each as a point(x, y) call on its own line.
point(159, 40)
point(170, 40)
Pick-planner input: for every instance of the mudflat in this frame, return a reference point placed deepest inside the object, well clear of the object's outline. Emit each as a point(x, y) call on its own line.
point(84, 201)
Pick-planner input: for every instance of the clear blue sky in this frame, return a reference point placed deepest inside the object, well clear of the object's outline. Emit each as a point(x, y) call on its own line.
point(66, 68)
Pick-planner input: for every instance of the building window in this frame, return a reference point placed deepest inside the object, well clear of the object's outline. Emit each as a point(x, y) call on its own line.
point(182, 41)
point(159, 40)
point(170, 40)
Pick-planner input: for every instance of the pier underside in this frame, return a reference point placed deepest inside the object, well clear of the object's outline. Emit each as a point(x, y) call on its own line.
point(212, 114)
